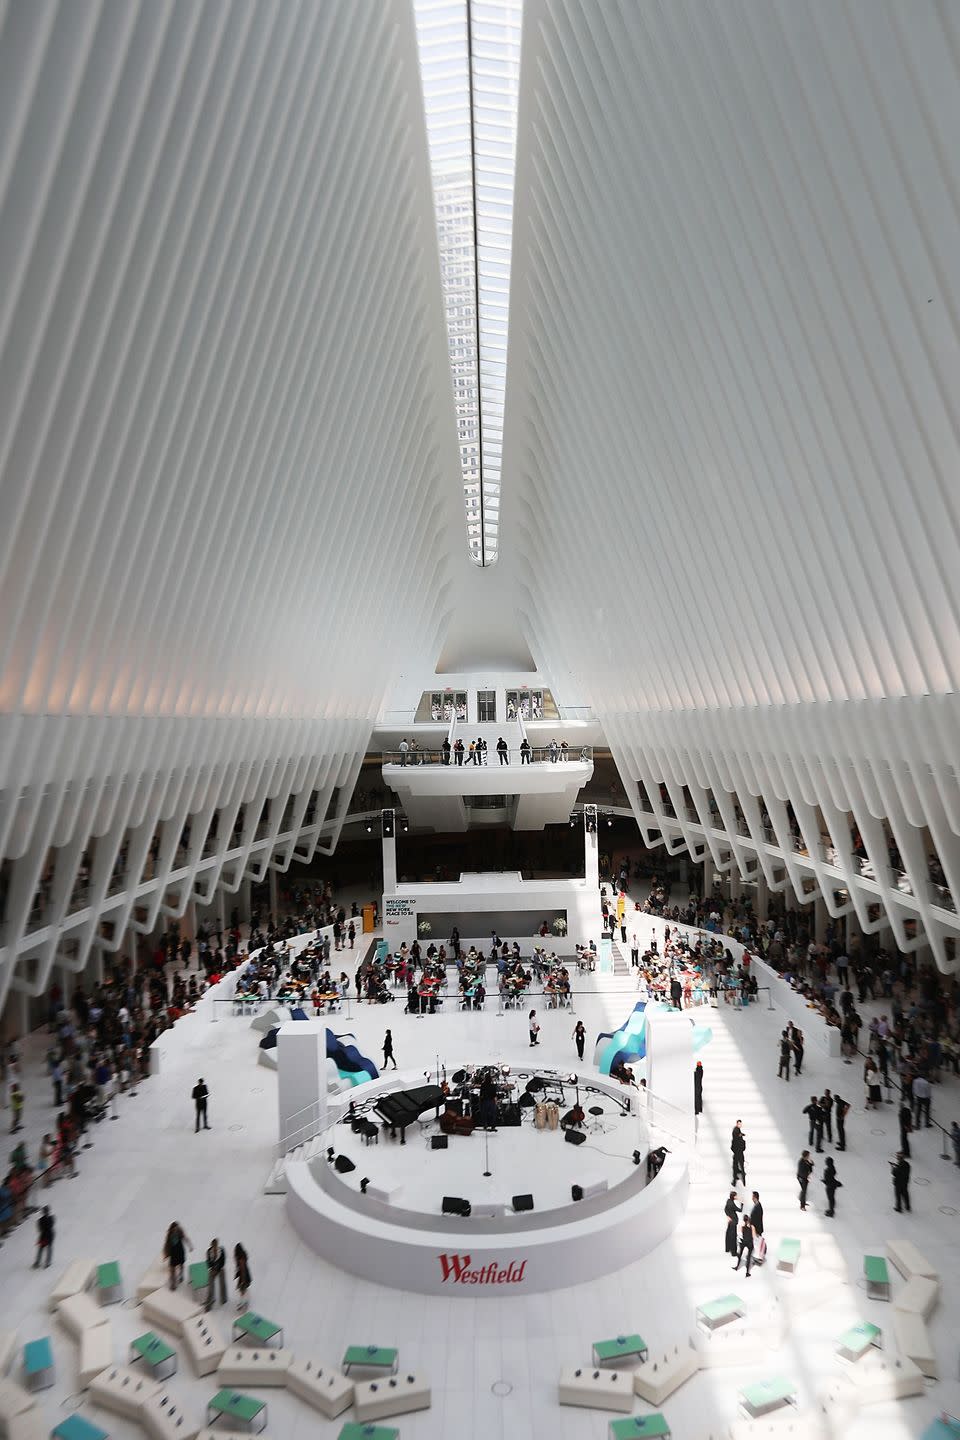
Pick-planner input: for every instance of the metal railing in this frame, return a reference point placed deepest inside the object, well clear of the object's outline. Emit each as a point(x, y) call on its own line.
point(536, 755)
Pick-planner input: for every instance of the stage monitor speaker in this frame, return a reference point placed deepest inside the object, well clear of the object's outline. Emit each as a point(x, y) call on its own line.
point(438, 1142)
point(343, 1164)
point(576, 1192)
point(574, 1137)
point(453, 1205)
point(522, 1202)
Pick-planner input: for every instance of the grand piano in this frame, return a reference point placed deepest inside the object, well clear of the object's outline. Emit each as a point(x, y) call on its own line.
point(402, 1107)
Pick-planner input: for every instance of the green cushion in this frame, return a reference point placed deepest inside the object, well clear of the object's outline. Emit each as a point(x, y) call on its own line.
point(108, 1275)
point(875, 1269)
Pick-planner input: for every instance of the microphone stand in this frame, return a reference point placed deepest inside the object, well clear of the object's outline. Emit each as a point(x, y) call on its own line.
point(486, 1154)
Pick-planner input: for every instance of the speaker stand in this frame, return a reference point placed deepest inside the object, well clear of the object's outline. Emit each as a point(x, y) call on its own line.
point(486, 1154)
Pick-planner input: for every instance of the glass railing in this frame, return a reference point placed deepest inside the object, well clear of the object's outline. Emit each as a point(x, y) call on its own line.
point(536, 755)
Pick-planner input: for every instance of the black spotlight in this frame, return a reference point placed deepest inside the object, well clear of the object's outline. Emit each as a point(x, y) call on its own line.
point(573, 821)
point(609, 821)
point(636, 1157)
point(363, 1184)
point(330, 1153)
point(404, 825)
point(386, 824)
point(369, 828)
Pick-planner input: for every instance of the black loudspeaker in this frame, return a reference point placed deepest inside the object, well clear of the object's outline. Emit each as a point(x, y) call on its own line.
point(453, 1205)
point(344, 1164)
point(438, 1142)
point(522, 1202)
point(576, 1192)
point(574, 1137)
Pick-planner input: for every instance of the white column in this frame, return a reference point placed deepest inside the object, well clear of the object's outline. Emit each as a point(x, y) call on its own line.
point(301, 1075)
point(389, 865)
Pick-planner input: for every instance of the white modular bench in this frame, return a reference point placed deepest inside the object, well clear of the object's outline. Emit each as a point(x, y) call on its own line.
point(79, 1313)
point(14, 1402)
point(9, 1345)
point(909, 1260)
point(786, 1424)
point(880, 1376)
point(162, 1418)
point(390, 1395)
point(733, 1345)
point(661, 1375)
point(597, 1389)
point(79, 1275)
point(204, 1344)
point(96, 1352)
point(918, 1297)
point(123, 1390)
point(326, 1390)
point(171, 1309)
point(154, 1278)
point(913, 1341)
point(228, 1435)
point(242, 1366)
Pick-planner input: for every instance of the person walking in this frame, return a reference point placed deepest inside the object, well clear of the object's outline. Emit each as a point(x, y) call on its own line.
point(746, 1245)
point(200, 1097)
point(16, 1108)
point(458, 752)
point(175, 1248)
point(579, 1036)
point(900, 1169)
point(786, 1051)
point(732, 1211)
point(241, 1274)
point(698, 1088)
point(906, 1125)
point(815, 1130)
point(756, 1214)
point(797, 1042)
point(534, 1028)
point(45, 1230)
point(840, 1112)
point(804, 1171)
point(502, 751)
point(831, 1183)
point(738, 1146)
point(388, 1050)
point(826, 1110)
point(524, 751)
point(216, 1278)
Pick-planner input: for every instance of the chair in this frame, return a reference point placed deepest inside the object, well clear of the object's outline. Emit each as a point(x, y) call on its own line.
point(596, 1111)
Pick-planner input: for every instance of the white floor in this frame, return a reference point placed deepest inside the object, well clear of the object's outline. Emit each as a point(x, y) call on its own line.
point(493, 1363)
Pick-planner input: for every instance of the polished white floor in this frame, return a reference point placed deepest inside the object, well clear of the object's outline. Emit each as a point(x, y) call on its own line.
point(493, 1362)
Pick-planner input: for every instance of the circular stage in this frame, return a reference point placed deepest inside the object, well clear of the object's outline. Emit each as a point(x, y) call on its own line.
point(524, 1228)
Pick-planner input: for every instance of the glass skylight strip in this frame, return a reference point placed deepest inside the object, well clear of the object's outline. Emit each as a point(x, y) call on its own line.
point(465, 178)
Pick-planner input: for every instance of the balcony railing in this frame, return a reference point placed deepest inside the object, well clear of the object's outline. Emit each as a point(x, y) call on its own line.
point(536, 755)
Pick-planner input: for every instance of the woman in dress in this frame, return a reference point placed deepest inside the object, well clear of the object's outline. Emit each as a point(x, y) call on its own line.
point(175, 1248)
point(871, 1081)
point(241, 1274)
point(732, 1211)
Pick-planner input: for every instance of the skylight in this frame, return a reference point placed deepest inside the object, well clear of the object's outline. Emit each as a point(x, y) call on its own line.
point(470, 61)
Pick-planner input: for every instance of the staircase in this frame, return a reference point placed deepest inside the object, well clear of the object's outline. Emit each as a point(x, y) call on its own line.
point(620, 966)
point(277, 1179)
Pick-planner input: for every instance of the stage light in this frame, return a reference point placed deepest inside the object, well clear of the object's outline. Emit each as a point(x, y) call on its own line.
point(573, 821)
point(404, 825)
point(386, 824)
point(330, 1153)
point(363, 1184)
point(369, 828)
point(609, 821)
point(636, 1157)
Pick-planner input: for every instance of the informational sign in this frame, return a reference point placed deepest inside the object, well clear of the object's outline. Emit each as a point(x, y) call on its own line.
point(396, 910)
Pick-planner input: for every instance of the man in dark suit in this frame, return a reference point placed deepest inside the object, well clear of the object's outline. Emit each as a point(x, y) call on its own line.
point(901, 1182)
point(840, 1111)
point(815, 1116)
point(200, 1095)
point(738, 1146)
point(826, 1109)
point(804, 1171)
point(786, 1050)
point(756, 1214)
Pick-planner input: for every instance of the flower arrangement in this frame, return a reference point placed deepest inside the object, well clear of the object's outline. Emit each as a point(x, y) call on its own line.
point(559, 926)
point(424, 928)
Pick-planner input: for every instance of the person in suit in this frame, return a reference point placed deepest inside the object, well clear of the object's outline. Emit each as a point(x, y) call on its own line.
point(831, 1183)
point(241, 1273)
point(906, 1125)
point(786, 1050)
point(840, 1112)
point(804, 1171)
point(200, 1097)
point(732, 1211)
point(756, 1214)
point(900, 1169)
point(797, 1042)
point(746, 1245)
point(698, 1088)
point(738, 1147)
point(216, 1266)
point(815, 1116)
point(826, 1109)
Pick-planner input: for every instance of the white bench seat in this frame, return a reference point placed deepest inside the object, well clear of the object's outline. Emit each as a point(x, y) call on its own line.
point(909, 1261)
point(788, 1423)
point(154, 1278)
point(918, 1297)
point(390, 1395)
point(733, 1345)
point(243, 1366)
point(14, 1401)
point(171, 1309)
point(661, 1375)
point(96, 1351)
point(79, 1275)
point(203, 1343)
point(123, 1390)
point(9, 1344)
point(79, 1313)
point(29, 1425)
point(597, 1389)
point(162, 1418)
point(228, 1434)
point(913, 1341)
point(880, 1376)
point(327, 1390)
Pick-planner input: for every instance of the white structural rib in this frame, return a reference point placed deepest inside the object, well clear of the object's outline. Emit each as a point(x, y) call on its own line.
point(733, 361)
point(225, 443)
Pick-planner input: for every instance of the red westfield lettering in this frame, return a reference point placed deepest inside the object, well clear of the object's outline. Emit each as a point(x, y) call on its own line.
point(458, 1269)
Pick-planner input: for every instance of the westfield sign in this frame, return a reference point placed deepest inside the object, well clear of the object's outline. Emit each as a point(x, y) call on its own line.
point(457, 1268)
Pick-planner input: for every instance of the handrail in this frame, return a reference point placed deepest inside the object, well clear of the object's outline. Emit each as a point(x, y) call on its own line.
point(538, 755)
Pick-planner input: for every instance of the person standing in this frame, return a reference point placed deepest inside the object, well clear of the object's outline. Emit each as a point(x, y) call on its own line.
point(698, 1088)
point(445, 751)
point(901, 1183)
point(756, 1214)
point(200, 1097)
point(906, 1125)
point(403, 747)
point(738, 1146)
point(388, 1050)
point(826, 1110)
point(458, 752)
point(815, 1130)
point(841, 1110)
point(921, 1101)
point(175, 1248)
point(502, 751)
point(831, 1183)
point(804, 1171)
point(786, 1050)
point(524, 751)
point(241, 1274)
point(732, 1211)
point(45, 1229)
point(797, 1042)
point(580, 1036)
point(216, 1265)
point(534, 1028)
point(746, 1245)
point(16, 1108)
point(634, 951)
